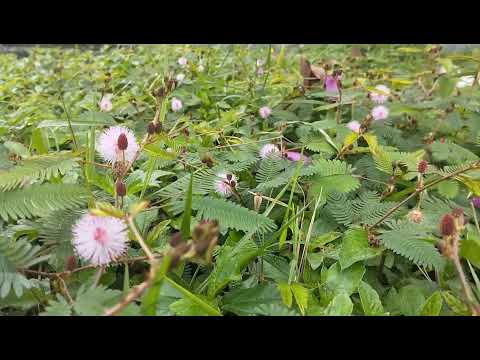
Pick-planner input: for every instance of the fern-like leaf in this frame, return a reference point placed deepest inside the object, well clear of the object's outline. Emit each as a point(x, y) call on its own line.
point(407, 239)
point(231, 215)
point(41, 167)
point(13, 255)
point(39, 200)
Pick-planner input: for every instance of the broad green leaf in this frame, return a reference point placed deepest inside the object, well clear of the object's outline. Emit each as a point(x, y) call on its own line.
point(341, 305)
point(286, 293)
point(301, 297)
point(433, 305)
point(371, 304)
point(355, 247)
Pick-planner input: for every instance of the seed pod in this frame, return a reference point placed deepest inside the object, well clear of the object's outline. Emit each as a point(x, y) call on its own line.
point(120, 188)
point(257, 201)
point(122, 142)
point(447, 225)
point(151, 128)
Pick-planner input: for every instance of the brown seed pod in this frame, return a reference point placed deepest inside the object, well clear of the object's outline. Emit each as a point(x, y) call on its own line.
point(122, 142)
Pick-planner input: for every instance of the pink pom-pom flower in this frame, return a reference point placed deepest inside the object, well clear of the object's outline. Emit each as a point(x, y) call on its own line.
point(381, 95)
point(225, 183)
point(108, 144)
point(354, 126)
point(182, 61)
point(380, 112)
point(180, 77)
point(176, 104)
point(106, 103)
point(331, 83)
point(99, 240)
point(269, 150)
point(265, 112)
point(296, 156)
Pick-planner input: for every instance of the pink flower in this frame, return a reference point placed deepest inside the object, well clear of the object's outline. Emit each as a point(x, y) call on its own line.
point(99, 239)
point(176, 104)
point(381, 96)
point(354, 126)
point(380, 112)
point(269, 150)
point(260, 71)
point(107, 144)
point(296, 156)
point(180, 77)
point(106, 103)
point(265, 112)
point(225, 184)
point(182, 61)
point(331, 84)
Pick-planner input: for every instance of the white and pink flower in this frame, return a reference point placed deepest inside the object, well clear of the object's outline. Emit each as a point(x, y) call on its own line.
point(106, 103)
point(380, 112)
point(100, 240)
point(354, 126)
point(182, 61)
point(225, 184)
point(107, 144)
point(269, 150)
point(180, 77)
point(381, 95)
point(176, 104)
point(265, 112)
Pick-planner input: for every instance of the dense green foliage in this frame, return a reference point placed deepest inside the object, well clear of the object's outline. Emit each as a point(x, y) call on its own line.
point(351, 231)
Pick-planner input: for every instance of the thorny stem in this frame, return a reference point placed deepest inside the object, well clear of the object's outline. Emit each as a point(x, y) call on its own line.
point(140, 240)
point(466, 287)
point(134, 294)
point(476, 165)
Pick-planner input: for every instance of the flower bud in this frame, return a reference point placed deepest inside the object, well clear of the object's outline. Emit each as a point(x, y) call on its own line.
point(476, 202)
point(257, 201)
point(422, 166)
point(71, 263)
point(415, 216)
point(120, 188)
point(176, 239)
point(122, 142)
point(151, 128)
point(447, 225)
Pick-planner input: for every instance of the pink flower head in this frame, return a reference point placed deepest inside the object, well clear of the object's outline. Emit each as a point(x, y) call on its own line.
point(225, 184)
point(106, 103)
point(354, 126)
point(296, 156)
point(269, 150)
point(331, 83)
point(380, 112)
point(100, 239)
point(476, 202)
point(381, 95)
point(260, 71)
point(176, 104)
point(180, 77)
point(107, 144)
point(265, 112)
point(182, 61)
